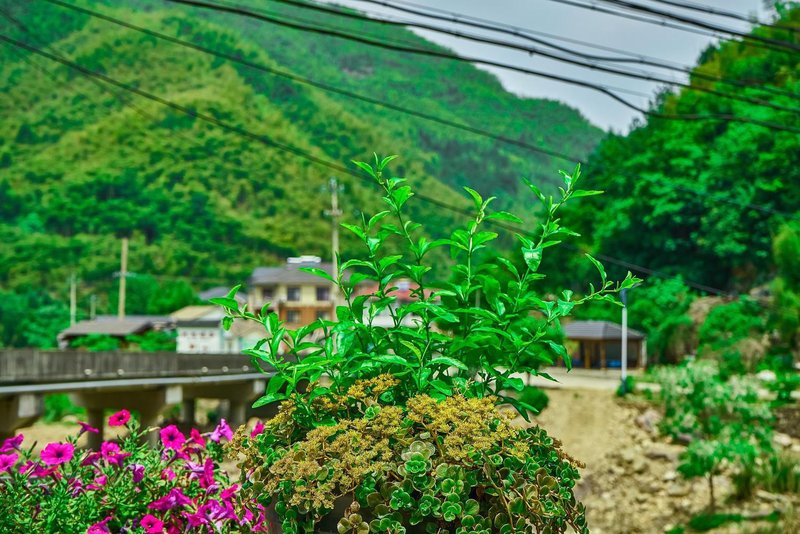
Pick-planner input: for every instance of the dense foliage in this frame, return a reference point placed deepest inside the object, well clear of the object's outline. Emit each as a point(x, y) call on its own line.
point(678, 192)
point(81, 165)
point(126, 486)
point(403, 419)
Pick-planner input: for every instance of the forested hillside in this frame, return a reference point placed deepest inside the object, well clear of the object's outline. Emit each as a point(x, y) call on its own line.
point(82, 164)
point(704, 199)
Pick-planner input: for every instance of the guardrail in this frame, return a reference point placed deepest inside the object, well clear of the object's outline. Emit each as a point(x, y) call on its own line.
point(28, 366)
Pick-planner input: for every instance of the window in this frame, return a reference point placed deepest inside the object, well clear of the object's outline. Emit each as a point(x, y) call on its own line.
point(293, 316)
point(323, 315)
point(323, 293)
point(293, 293)
point(266, 293)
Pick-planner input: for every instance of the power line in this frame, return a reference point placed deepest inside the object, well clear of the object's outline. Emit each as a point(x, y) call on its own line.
point(724, 13)
point(565, 157)
point(303, 154)
point(433, 53)
point(638, 75)
point(633, 6)
point(524, 33)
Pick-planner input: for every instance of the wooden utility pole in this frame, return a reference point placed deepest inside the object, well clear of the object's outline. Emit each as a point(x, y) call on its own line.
point(123, 273)
point(335, 213)
point(73, 298)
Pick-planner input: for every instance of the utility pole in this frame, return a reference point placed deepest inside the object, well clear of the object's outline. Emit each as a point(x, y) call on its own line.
point(92, 307)
point(123, 273)
point(624, 367)
point(334, 213)
point(73, 298)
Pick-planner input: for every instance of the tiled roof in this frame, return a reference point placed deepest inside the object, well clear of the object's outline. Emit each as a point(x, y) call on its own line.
point(112, 326)
point(290, 274)
point(598, 330)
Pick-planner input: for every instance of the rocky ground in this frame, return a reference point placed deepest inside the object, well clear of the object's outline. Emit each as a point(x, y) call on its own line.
point(630, 484)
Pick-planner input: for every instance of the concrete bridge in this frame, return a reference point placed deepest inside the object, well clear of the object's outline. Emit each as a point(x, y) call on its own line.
point(148, 382)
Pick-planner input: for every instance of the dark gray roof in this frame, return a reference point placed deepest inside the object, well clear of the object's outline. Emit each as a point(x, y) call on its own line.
point(290, 274)
point(112, 326)
point(598, 330)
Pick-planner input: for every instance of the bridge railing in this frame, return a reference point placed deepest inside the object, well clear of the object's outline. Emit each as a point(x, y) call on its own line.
point(20, 366)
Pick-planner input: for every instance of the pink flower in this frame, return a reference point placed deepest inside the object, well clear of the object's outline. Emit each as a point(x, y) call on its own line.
point(257, 430)
point(98, 483)
point(12, 443)
point(173, 499)
point(57, 453)
point(85, 427)
point(197, 437)
point(167, 474)
point(172, 438)
point(120, 418)
point(151, 524)
point(222, 431)
point(7, 461)
point(101, 527)
point(111, 452)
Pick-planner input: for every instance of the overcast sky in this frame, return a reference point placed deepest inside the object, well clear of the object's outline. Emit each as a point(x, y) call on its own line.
point(549, 16)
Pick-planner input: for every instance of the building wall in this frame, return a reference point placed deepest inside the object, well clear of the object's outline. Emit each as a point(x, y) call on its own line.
point(199, 340)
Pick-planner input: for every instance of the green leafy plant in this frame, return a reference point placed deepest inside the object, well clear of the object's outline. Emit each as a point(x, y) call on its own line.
point(459, 340)
point(473, 350)
point(728, 425)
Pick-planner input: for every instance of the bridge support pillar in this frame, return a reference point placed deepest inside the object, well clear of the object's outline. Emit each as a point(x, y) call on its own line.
point(19, 411)
point(148, 403)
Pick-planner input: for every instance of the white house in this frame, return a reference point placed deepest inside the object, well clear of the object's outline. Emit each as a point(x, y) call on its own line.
point(200, 331)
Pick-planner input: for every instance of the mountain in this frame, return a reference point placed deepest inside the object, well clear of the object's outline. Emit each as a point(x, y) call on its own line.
point(82, 163)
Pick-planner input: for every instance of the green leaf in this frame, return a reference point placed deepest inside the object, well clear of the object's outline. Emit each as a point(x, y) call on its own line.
point(267, 399)
point(476, 197)
point(599, 267)
point(225, 302)
point(318, 272)
point(504, 216)
point(533, 257)
point(392, 359)
point(584, 193)
point(448, 361)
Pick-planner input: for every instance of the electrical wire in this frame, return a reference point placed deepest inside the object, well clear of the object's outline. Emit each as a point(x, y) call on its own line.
point(300, 152)
point(638, 75)
point(524, 33)
point(633, 6)
point(580, 83)
point(723, 13)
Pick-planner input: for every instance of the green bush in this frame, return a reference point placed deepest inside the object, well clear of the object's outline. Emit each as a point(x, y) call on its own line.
point(727, 423)
point(58, 406)
point(535, 398)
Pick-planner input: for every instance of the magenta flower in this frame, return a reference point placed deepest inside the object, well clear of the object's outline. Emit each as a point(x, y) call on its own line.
point(57, 453)
point(167, 474)
point(222, 431)
point(7, 461)
point(101, 527)
point(120, 418)
point(197, 437)
point(172, 438)
point(109, 449)
point(173, 499)
point(151, 524)
point(85, 427)
point(257, 430)
point(12, 443)
point(98, 483)
point(137, 470)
